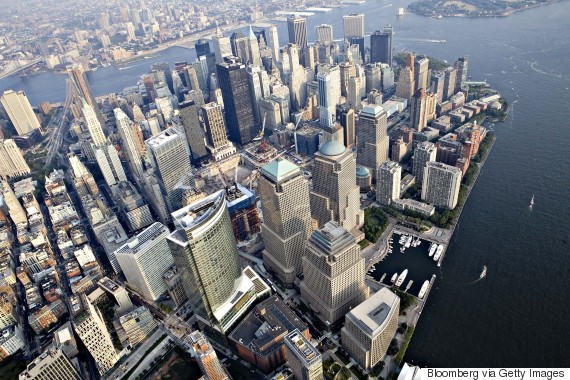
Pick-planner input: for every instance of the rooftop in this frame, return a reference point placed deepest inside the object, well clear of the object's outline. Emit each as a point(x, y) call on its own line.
point(332, 148)
point(162, 138)
point(144, 239)
point(279, 169)
point(372, 315)
point(302, 348)
point(197, 212)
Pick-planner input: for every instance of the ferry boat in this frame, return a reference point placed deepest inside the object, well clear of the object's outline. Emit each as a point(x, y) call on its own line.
point(400, 12)
point(432, 249)
point(438, 252)
point(424, 289)
point(394, 277)
point(401, 278)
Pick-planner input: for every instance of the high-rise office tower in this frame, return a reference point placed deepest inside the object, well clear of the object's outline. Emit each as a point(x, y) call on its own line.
point(406, 83)
point(12, 163)
point(189, 111)
point(206, 357)
point(125, 128)
point(52, 364)
point(347, 71)
point(373, 141)
point(91, 329)
point(93, 125)
point(353, 26)
point(324, 33)
point(81, 90)
point(421, 73)
point(441, 184)
point(387, 78)
point(205, 252)
point(191, 77)
point(302, 357)
point(437, 83)
point(109, 163)
point(297, 78)
point(297, 28)
point(253, 48)
point(425, 152)
point(334, 273)
point(255, 79)
point(346, 118)
point(216, 136)
point(273, 40)
point(418, 110)
point(388, 182)
point(328, 80)
point(449, 83)
point(461, 65)
point(213, 117)
point(202, 47)
point(169, 154)
point(240, 46)
point(353, 93)
point(370, 327)
point(232, 78)
point(131, 36)
point(335, 195)
point(19, 111)
point(373, 75)
point(144, 259)
point(381, 46)
point(284, 195)
point(222, 45)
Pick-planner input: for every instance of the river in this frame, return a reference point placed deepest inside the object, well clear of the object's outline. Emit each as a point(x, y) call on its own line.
point(517, 316)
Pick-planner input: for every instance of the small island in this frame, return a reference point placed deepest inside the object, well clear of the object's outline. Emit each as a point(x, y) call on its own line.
point(472, 8)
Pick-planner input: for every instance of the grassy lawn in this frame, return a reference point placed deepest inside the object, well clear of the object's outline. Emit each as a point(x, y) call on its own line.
point(363, 243)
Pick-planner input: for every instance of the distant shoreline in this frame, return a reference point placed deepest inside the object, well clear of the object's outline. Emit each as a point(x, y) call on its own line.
point(443, 14)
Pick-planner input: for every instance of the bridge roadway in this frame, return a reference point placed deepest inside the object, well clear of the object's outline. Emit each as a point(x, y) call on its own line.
point(19, 68)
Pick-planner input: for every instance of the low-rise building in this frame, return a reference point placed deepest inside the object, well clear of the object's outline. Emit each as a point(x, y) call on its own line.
point(303, 358)
point(424, 209)
point(138, 324)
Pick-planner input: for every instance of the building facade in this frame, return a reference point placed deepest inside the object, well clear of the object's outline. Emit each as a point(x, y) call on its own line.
point(388, 183)
point(441, 184)
point(373, 142)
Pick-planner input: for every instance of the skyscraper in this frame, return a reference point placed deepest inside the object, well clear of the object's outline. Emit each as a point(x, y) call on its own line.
point(189, 111)
point(52, 364)
point(12, 163)
point(381, 46)
point(207, 358)
point(222, 45)
point(441, 184)
point(205, 252)
point(253, 48)
point(125, 129)
point(418, 110)
point(373, 75)
point(19, 111)
point(324, 33)
point(81, 90)
point(297, 28)
point(449, 83)
point(346, 118)
point(274, 43)
point(406, 83)
point(171, 163)
point(232, 77)
point(93, 125)
point(370, 327)
point(93, 332)
point(202, 47)
point(328, 80)
point(144, 259)
point(388, 182)
point(373, 141)
point(425, 152)
point(297, 78)
point(353, 26)
point(335, 194)
point(216, 136)
point(461, 65)
point(421, 73)
point(240, 47)
point(304, 359)
point(284, 195)
point(334, 273)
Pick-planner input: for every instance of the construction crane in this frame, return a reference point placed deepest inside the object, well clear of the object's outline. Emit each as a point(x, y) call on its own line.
point(260, 135)
point(295, 131)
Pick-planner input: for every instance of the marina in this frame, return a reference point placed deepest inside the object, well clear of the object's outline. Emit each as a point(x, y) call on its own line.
point(408, 264)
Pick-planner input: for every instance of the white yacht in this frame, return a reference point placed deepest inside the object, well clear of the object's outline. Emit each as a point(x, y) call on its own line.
point(424, 289)
point(438, 252)
point(432, 249)
point(408, 242)
point(394, 277)
point(401, 278)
